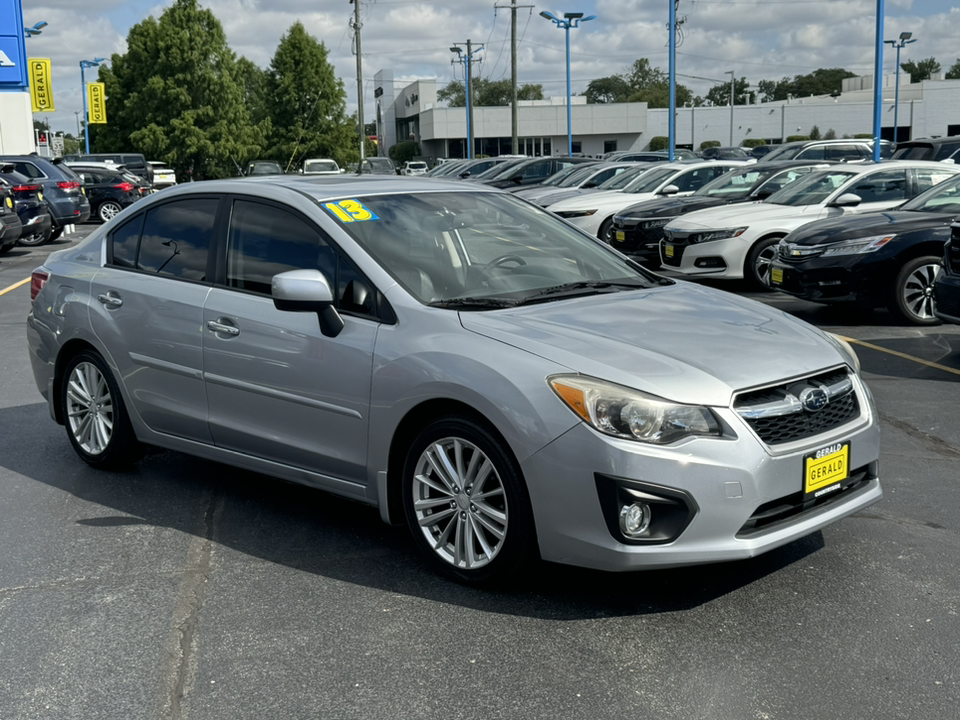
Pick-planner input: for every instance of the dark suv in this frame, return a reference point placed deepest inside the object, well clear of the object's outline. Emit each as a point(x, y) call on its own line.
point(110, 188)
point(30, 207)
point(533, 171)
point(62, 188)
point(134, 162)
point(938, 149)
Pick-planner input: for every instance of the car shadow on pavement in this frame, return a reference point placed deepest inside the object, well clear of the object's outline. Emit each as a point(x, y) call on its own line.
point(315, 532)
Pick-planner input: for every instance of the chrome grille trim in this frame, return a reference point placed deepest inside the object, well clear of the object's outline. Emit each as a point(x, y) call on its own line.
point(791, 403)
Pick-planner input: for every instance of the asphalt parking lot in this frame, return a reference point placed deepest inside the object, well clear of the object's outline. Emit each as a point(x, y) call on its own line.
point(187, 589)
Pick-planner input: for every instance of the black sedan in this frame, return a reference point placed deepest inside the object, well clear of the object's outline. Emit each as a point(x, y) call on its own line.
point(110, 189)
point(887, 258)
point(34, 215)
point(532, 171)
point(946, 289)
point(638, 229)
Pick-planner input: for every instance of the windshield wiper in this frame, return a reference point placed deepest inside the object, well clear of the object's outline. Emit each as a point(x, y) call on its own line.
point(574, 289)
point(474, 303)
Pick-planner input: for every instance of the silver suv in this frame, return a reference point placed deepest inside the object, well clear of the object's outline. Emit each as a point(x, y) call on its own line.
point(839, 150)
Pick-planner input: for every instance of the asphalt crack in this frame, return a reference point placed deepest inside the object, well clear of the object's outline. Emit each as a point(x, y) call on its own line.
point(932, 442)
point(180, 666)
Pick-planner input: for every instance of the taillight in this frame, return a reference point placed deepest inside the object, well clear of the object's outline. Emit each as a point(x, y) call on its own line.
point(37, 280)
point(26, 188)
point(68, 185)
point(125, 186)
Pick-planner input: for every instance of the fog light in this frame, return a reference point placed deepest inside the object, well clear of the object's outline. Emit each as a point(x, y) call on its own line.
point(635, 519)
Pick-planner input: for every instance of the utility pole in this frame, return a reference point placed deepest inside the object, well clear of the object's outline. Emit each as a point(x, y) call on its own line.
point(466, 59)
point(514, 113)
point(356, 25)
point(731, 105)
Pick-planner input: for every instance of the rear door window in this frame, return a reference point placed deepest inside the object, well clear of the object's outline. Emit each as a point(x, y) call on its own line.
point(177, 237)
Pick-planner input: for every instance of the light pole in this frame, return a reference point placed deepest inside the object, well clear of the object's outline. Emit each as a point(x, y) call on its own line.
point(730, 73)
point(904, 40)
point(84, 64)
point(467, 58)
point(569, 20)
point(35, 30)
point(77, 113)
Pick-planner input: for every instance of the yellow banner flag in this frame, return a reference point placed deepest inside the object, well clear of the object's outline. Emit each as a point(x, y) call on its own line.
point(97, 103)
point(41, 89)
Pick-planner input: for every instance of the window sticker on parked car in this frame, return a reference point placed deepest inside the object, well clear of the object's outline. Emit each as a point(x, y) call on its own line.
point(350, 211)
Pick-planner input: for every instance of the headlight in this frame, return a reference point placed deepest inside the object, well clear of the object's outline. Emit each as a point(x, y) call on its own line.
point(575, 213)
point(625, 413)
point(859, 246)
point(718, 234)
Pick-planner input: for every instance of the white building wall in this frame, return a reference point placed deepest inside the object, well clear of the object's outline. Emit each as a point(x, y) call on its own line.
point(16, 124)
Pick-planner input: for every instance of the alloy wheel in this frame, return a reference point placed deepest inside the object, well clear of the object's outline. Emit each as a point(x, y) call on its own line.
point(109, 210)
point(89, 408)
point(459, 503)
point(916, 292)
point(763, 263)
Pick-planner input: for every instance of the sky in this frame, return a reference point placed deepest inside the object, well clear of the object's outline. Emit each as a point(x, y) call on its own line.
point(757, 39)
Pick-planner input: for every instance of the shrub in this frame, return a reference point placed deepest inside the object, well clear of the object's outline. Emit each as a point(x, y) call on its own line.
point(753, 142)
point(864, 136)
point(709, 144)
point(659, 143)
point(794, 138)
point(815, 133)
point(403, 151)
point(830, 134)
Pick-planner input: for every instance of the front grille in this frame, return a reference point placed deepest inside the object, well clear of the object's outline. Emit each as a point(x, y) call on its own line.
point(793, 507)
point(777, 415)
point(953, 254)
point(947, 299)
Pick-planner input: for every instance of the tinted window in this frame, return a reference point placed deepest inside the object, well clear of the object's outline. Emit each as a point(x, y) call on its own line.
point(843, 152)
point(812, 153)
point(30, 170)
point(265, 240)
point(123, 242)
point(881, 186)
point(177, 238)
point(696, 179)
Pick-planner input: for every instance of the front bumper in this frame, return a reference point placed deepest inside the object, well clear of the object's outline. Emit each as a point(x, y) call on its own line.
point(845, 278)
point(728, 482)
point(632, 240)
point(946, 298)
point(717, 258)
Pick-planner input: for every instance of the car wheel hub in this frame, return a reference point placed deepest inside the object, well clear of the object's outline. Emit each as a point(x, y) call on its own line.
point(917, 292)
point(89, 408)
point(460, 504)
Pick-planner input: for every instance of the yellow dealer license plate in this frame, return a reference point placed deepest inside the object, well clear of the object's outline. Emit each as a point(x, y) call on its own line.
point(9, 203)
point(621, 236)
point(40, 196)
point(776, 276)
point(825, 470)
point(668, 250)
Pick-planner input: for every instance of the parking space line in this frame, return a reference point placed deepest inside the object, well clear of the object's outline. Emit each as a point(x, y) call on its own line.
point(898, 354)
point(15, 286)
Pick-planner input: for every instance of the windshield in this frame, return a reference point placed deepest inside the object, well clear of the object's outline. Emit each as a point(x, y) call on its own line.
point(811, 190)
point(447, 168)
point(618, 182)
point(941, 198)
point(650, 181)
point(379, 163)
point(734, 184)
point(784, 152)
point(578, 175)
point(321, 166)
point(558, 178)
point(497, 170)
point(483, 250)
point(417, 165)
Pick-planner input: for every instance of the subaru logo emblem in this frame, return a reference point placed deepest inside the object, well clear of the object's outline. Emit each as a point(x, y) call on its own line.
point(814, 399)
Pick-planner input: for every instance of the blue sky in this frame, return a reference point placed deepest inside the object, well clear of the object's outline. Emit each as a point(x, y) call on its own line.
point(758, 39)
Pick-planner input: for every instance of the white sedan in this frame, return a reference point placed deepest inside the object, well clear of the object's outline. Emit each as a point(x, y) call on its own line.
point(594, 212)
point(739, 241)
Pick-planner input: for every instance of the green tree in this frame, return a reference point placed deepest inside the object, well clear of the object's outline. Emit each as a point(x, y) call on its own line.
point(403, 151)
point(254, 87)
point(487, 93)
point(814, 133)
point(922, 70)
point(720, 94)
point(176, 95)
point(307, 104)
point(820, 82)
point(954, 72)
point(610, 89)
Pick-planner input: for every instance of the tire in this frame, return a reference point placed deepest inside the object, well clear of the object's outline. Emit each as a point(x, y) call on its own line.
point(108, 210)
point(35, 240)
point(466, 503)
point(56, 232)
point(605, 233)
point(913, 291)
point(95, 416)
point(756, 270)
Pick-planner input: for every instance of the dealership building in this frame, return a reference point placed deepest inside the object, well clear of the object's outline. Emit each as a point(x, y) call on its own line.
point(410, 112)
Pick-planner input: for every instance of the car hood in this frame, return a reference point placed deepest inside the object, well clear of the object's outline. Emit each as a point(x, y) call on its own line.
point(742, 214)
point(682, 342)
point(858, 226)
point(549, 199)
point(588, 203)
point(670, 207)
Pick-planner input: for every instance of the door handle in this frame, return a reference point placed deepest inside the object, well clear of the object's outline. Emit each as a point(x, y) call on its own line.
point(219, 327)
point(110, 299)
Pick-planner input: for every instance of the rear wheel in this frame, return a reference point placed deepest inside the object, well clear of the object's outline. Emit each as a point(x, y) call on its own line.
point(466, 503)
point(759, 260)
point(34, 240)
point(94, 414)
point(913, 291)
point(108, 210)
point(56, 232)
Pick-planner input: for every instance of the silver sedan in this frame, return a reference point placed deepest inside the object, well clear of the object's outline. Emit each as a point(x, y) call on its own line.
point(470, 364)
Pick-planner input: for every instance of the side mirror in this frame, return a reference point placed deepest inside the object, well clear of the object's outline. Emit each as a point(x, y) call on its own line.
point(307, 291)
point(517, 179)
point(670, 190)
point(764, 192)
point(590, 184)
point(465, 175)
point(847, 200)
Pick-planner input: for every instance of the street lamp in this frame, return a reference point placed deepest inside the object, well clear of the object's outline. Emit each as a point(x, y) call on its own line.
point(35, 30)
point(904, 40)
point(732, 85)
point(466, 59)
point(84, 64)
point(569, 20)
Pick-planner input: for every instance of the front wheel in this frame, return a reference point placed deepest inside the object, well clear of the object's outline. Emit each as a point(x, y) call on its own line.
point(759, 261)
point(94, 414)
point(605, 233)
point(108, 210)
point(913, 291)
point(35, 240)
point(466, 503)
